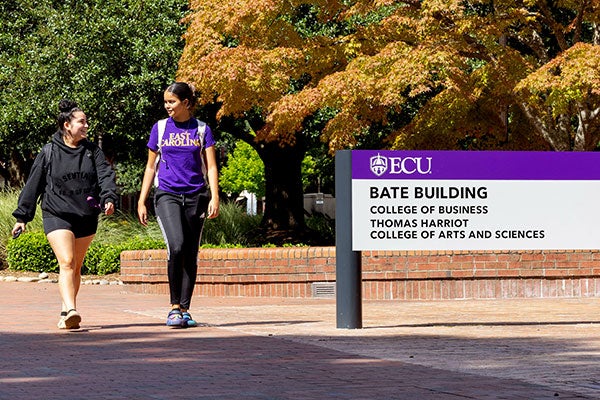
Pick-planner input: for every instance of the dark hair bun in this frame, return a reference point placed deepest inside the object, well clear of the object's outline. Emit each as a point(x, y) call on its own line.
point(66, 105)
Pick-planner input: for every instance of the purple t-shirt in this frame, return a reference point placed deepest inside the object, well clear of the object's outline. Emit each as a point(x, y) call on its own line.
point(180, 169)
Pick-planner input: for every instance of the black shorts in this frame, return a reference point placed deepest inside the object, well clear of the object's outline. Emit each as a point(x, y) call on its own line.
point(80, 226)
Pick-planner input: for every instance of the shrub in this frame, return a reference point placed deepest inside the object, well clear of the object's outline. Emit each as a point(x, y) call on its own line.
point(8, 203)
point(325, 227)
point(103, 259)
point(109, 262)
point(31, 252)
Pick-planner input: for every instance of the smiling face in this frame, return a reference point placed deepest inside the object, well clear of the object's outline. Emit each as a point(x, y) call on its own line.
point(77, 127)
point(177, 109)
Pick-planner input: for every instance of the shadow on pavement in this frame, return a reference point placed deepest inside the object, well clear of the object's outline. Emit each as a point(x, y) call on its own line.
point(211, 363)
point(497, 323)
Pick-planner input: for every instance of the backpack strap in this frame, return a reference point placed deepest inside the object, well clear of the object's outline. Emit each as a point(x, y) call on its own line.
point(47, 149)
point(201, 132)
point(162, 124)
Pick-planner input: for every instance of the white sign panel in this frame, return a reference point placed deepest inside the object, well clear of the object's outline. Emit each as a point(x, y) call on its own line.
point(475, 200)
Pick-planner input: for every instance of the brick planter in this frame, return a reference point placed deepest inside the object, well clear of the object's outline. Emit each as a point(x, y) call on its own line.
point(399, 275)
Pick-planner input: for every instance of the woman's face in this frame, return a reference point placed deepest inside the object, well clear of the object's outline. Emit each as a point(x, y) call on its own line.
point(77, 127)
point(177, 109)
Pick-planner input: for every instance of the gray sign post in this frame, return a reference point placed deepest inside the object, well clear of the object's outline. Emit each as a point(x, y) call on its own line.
point(348, 263)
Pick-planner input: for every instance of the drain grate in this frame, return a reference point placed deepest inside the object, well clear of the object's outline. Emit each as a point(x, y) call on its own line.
point(323, 290)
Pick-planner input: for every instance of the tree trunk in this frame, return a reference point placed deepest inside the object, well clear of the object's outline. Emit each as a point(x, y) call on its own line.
point(18, 169)
point(283, 219)
point(554, 133)
point(284, 201)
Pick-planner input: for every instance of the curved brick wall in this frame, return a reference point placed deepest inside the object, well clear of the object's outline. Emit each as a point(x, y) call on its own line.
point(416, 275)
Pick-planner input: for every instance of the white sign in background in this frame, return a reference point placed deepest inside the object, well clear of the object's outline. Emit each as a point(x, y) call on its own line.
point(475, 214)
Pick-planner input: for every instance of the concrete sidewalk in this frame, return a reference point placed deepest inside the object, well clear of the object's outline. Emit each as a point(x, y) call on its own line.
point(257, 348)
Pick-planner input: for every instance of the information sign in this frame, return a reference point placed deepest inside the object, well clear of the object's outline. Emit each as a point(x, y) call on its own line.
point(458, 200)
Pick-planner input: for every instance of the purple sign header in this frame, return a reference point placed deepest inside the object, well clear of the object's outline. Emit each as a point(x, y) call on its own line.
point(475, 165)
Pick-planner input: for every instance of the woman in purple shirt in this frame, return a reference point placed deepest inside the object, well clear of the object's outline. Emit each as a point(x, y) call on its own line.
point(182, 164)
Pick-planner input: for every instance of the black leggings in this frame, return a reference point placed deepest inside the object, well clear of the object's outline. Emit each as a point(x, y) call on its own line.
point(181, 218)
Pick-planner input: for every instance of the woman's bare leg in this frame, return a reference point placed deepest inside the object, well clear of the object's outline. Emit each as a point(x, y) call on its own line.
point(70, 253)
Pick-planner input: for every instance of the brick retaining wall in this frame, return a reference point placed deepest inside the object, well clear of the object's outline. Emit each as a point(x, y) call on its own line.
point(399, 275)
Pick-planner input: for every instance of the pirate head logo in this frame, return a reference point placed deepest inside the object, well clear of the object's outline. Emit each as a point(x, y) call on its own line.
point(378, 164)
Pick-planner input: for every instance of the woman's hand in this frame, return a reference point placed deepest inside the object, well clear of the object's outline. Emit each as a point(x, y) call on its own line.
point(142, 214)
point(18, 229)
point(109, 208)
point(213, 208)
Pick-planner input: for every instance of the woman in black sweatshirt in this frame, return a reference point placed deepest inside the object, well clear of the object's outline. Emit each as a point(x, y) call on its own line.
point(76, 184)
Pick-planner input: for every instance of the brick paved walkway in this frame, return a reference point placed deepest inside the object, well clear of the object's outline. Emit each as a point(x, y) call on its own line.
point(255, 348)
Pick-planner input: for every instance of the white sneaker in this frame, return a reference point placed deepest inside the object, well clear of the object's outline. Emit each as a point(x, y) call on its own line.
point(72, 319)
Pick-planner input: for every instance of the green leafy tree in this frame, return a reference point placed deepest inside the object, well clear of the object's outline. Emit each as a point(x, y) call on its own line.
point(113, 57)
point(244, 171)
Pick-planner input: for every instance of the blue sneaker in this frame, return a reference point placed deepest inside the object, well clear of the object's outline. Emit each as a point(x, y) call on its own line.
point(187, 321)
point(174, 318)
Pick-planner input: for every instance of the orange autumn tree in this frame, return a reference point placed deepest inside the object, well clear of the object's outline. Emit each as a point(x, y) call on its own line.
point(439, 74)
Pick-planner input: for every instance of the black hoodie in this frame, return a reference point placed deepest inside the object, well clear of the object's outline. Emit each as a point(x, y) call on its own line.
point(72, 176)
